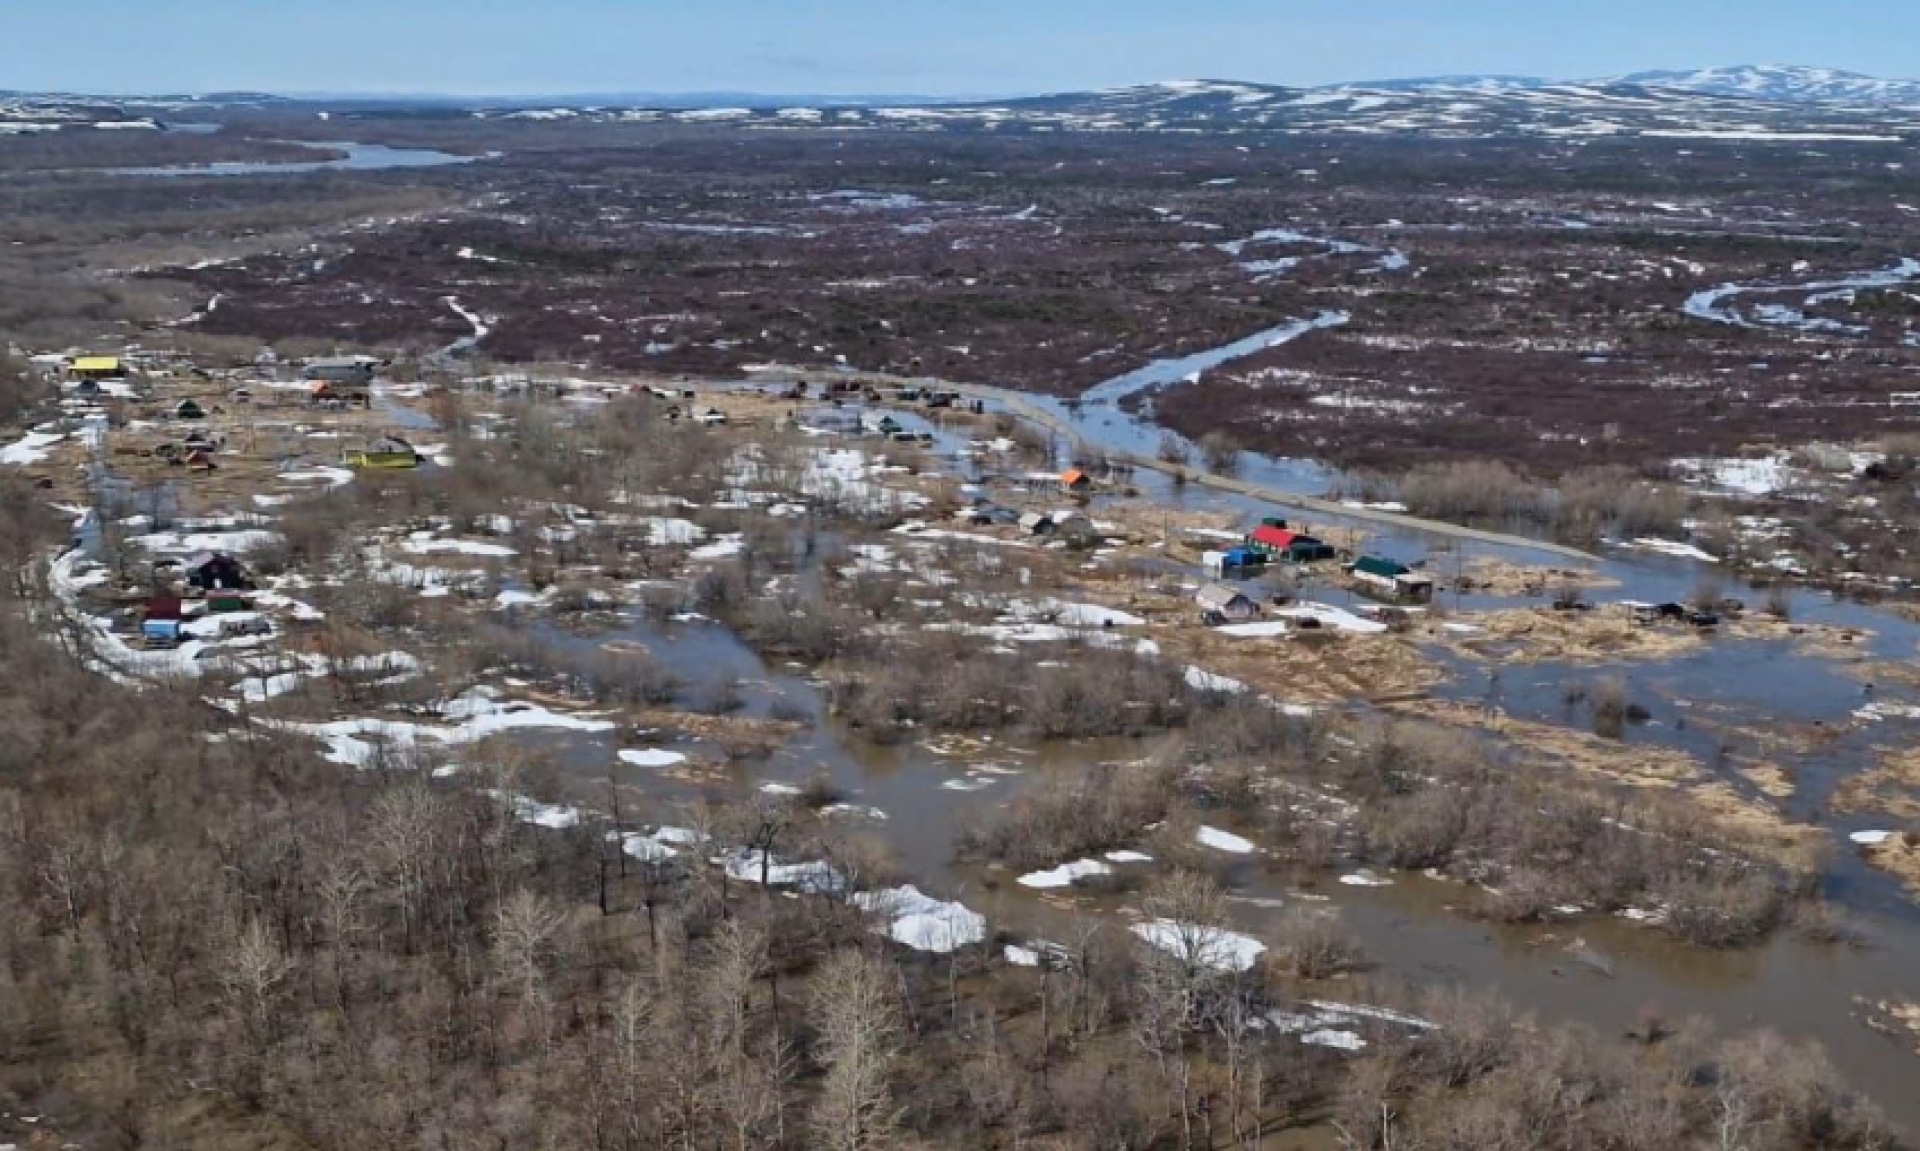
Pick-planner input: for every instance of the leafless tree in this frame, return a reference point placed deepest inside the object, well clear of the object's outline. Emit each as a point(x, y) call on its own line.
point(857, 1016)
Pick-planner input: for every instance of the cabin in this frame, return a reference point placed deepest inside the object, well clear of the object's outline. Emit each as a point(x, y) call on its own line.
point(215, 571)
point(352, 372)
point(1036, 524)
point(1076, 481)
point(1282, 544)
point(1392, 578)
point(96, 368)
point(189, 410)
point(390, 452)
point(1227, 603)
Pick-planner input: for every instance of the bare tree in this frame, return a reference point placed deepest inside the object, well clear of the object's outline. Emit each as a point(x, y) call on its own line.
point(858, 1020)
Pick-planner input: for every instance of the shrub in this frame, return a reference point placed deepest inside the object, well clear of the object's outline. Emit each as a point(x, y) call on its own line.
point(1317, 945)
point(1483, 491)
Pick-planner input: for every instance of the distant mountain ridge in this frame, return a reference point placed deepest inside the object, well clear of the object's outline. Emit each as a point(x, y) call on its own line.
point(1791, 83)
point(1774, 104)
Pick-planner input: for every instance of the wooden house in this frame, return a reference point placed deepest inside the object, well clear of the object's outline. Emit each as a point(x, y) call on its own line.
point(215, 571)
point(1392, 578)
point(1285, 545)
point(388, 452)
point(1228, 603)
point(1076, 481)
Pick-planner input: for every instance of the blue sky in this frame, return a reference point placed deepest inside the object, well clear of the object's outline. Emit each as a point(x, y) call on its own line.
point(490, 47)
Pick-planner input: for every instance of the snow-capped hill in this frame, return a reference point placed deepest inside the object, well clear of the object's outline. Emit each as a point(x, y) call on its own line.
point(1789, 83)
point(1473, 83)
point(1467, 107)
point(22, 115)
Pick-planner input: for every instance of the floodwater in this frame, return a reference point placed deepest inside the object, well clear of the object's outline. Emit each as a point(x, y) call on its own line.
point(1097, 416)
point(358, 158)
point(1600, 971)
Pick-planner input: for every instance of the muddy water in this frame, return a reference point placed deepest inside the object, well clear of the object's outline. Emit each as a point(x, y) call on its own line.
point(1599, 971)
point(1602, 972)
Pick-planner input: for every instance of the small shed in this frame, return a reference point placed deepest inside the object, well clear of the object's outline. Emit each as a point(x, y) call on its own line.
point(164, 607)
point(1075, 480)
point(1229, 602)
point(189, 410)
point(215, 571)
point(1234, 560)
point(160, 633)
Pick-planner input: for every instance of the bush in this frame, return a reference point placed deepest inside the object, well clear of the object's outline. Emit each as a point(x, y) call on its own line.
point(1317, 945)
point(1475, 491)
point(1720, 910)
point(1096, 810)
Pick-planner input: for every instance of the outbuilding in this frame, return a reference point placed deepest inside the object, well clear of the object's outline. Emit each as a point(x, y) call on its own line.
point(1227, 602)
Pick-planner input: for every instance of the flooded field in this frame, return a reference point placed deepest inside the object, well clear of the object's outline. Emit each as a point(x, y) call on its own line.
point(1725, 702)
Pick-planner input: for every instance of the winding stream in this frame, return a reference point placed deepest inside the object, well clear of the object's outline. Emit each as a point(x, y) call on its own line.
point(1715, 305)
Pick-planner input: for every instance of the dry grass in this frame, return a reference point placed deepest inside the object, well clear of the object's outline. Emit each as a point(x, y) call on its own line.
point(1603, 636)
point(1900, 858)
point(1891, 787)
point(1737, 818)
point(1490, 576)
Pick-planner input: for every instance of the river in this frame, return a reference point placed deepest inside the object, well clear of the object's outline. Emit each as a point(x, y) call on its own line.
point(357, 158)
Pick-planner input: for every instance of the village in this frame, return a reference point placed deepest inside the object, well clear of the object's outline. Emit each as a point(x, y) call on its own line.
point(670, 612)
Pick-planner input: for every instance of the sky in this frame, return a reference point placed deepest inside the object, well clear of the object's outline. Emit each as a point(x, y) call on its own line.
point(918, 47)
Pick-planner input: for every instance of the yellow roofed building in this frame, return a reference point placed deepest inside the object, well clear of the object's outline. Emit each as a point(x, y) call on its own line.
point(96, 368)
